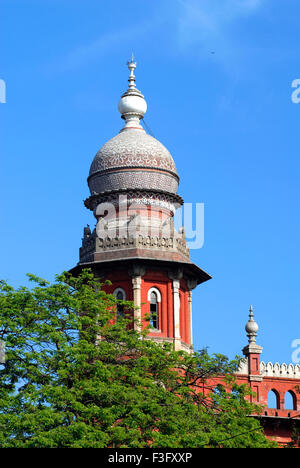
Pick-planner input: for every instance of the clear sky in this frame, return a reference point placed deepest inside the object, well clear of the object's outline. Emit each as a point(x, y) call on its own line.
point(217, 76)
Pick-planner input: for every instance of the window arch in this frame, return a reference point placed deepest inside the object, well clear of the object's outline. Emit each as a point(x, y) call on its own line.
point(290, 401)
point(273, 399)
point(154, 298)
point(120, 295)
point(157, 293)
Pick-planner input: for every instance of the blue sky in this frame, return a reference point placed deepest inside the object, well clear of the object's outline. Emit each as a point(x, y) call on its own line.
point(217, 77)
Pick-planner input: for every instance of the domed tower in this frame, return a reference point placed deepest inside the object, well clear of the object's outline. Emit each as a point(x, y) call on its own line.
point(133, 185)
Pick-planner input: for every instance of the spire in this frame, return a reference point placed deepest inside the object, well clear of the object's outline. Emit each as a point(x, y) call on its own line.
point(252, 350)
point(132, 66)
point(251, 327)
point(132, 105)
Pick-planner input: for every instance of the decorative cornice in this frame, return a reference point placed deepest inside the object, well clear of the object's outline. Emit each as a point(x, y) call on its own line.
point(255, 378)
point(289, 371)
point(172, 244)
point(112, 196)
point(252, 348)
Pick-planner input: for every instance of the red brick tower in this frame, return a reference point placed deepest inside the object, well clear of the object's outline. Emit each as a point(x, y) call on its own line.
point(133, 183)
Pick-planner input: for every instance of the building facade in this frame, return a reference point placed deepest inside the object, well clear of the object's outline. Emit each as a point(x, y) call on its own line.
point(133, 185)
point(275, 386)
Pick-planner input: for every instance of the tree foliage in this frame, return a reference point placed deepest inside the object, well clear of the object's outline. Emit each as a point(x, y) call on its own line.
point(295, 442)
point(75, 377)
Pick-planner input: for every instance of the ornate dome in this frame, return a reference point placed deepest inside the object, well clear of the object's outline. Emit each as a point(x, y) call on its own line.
point(133, 159)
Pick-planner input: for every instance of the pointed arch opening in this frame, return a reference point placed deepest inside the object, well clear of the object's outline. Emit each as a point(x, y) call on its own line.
point(290, 401)
point(120, 295)
point(154, 298)
point(273, 399)
point(154, 310)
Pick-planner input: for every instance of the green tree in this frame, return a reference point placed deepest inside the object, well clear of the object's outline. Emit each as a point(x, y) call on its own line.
point(73, 377)
point(295, 442)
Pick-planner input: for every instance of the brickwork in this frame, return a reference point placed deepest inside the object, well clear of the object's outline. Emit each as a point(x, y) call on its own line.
point(159, 280)
point(279, 422)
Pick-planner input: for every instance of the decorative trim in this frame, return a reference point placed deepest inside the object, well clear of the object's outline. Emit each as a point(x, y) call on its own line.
point(159, 197)
point(133, 148)
point(172, 244)
point(156, 291)
point(255, 378)
point(117, 290)
point(130, 167)
point(289, 371)
point(243, 367)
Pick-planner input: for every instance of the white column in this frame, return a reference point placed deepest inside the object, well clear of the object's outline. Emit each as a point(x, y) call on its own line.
point(190, 316)
point(176, 302)
point(136, 282)
point(191, 284)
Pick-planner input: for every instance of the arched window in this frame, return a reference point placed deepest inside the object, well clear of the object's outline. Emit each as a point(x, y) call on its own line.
point(120, 295)
point(154, 298)
point(290, 401)
point(273, 399)
point(154, 318)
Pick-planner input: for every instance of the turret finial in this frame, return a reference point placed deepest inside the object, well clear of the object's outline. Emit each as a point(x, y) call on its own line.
point(251, 327)
point(132, 105)
point(132, 66)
